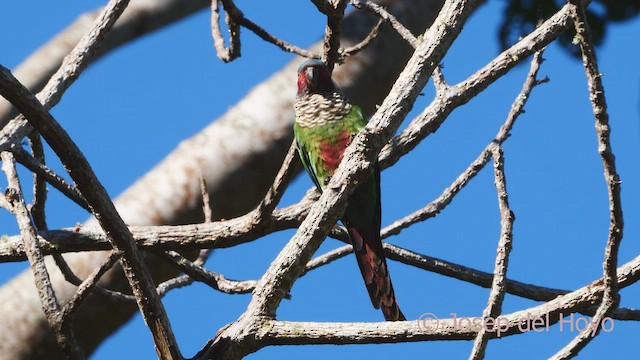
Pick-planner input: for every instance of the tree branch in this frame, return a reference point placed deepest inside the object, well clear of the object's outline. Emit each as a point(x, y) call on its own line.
point(384, 15)
point(102, 208)
point(616, 222)
point(356, 164)
point(498, 286)
point(437, 205)
point(64, 335)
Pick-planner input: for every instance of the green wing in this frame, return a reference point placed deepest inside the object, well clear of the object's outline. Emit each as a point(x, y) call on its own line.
point(304, 156)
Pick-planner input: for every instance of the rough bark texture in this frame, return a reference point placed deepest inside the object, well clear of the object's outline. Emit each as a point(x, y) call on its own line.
point(241, 150)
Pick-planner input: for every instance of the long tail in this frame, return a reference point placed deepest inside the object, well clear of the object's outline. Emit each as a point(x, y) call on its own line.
point(367, 246)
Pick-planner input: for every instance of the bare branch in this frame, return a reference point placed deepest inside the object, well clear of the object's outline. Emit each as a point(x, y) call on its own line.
point(362, 44)
point(37, 167)
point(219, 234)
point(206, 200)
point(72, 278)
point(384, 15)
point(334, 10)
point(64, 335)
point(86, 286)
point(266, 36)
point(225, 53)
point(437, 205)
point(214, 280)
point(498, 286)
point(102, 208)
point(294, 333)
point(264, 210)
point(435, 114)
point(616, 222)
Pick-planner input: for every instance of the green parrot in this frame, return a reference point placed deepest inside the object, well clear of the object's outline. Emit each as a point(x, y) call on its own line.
point(325, 125)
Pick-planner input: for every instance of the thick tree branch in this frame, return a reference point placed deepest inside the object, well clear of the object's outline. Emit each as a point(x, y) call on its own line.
point(102, 208)
point(437, 205)
point(251, 140)
point(64, 334)
point(437, 112)
point(295, 333)
point(358, 160)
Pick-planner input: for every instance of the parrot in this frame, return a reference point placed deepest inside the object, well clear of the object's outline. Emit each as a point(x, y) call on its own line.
point(325, 124)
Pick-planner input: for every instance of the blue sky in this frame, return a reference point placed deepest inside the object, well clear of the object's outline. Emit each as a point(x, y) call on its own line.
point(169, 85)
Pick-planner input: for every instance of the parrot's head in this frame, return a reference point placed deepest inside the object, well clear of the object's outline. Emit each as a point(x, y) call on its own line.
point(314, 78)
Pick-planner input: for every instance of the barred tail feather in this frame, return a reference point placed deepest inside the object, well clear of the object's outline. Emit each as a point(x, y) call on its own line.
point(373, 266)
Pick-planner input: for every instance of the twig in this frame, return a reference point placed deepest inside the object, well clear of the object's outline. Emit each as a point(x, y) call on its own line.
point(51, 177)
point(437, 205)
point(334, 10)
point(72, 278)
point(439, 83)
point(225, 53)
point(214, 280)
point(386, 16)
point(327, 258)
point(206, 200)
point(102, 208)
point(437, 112)
point(616, 222)
point(266, 36)
point(263, 212)
point(185, 280)
point(64, 335)
point(362, 44)
point(86, 286)
point(498, 286)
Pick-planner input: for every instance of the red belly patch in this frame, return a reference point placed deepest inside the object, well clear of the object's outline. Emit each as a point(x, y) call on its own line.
point(331, 151)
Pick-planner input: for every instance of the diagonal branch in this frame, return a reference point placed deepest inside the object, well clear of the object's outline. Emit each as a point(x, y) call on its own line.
point(102, 208)
point(357, 163)
point(264, 210)
point(214, 280)
point(85, 288)
point(57, 181)
point(437, 112)
point(436, 206)
point(64, 335)
point(386, 16)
